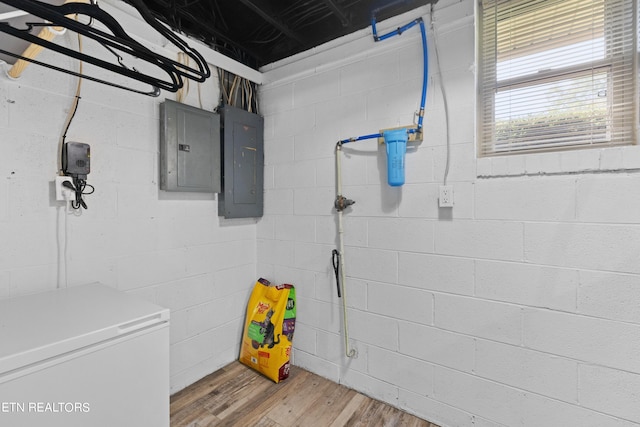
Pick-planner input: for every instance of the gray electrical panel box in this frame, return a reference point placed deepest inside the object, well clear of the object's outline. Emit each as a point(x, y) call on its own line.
point(189, 149)
point(243, 164)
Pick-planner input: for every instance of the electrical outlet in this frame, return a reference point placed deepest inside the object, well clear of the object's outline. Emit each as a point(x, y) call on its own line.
point(446, 196)
point(63, 193)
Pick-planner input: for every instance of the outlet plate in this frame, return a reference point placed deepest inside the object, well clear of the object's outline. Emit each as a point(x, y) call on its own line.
point(445, 200)
point(63, 193)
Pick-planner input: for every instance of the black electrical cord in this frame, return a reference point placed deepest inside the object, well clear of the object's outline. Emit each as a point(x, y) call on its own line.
point(335, 259)
point(78, 187)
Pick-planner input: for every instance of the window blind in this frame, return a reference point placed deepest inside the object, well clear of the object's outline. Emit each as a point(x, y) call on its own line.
point(556, 74)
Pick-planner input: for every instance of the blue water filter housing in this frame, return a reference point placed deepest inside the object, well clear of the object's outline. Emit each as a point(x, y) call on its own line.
point(396, 142)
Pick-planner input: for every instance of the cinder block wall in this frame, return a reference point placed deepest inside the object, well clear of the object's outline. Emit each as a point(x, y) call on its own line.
point(517, 307)
point(170, 248)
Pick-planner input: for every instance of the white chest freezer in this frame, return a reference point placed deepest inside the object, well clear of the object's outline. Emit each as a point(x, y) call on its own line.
point(86, 356)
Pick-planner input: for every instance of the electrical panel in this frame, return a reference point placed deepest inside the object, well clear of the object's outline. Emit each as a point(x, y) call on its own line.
point(243, 164)
point(189, 149)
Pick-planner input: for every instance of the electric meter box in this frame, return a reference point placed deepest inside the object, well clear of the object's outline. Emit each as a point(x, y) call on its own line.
point(189, 149)
point(243, 164)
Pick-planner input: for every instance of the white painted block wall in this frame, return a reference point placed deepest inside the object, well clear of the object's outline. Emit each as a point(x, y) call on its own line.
point(170, 248)
point(518, 307)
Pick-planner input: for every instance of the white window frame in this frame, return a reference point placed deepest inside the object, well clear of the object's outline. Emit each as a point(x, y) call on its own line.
point(486, 143)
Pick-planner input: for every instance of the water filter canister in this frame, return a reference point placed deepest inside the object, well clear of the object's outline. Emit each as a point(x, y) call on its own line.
point(396, 142)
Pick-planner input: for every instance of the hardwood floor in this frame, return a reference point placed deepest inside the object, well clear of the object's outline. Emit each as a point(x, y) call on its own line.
point(238, 396)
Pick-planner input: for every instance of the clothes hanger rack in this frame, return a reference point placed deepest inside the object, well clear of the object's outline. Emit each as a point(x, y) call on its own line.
point(116, 41)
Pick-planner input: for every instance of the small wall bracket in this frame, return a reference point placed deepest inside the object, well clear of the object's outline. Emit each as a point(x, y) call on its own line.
point(415, 135)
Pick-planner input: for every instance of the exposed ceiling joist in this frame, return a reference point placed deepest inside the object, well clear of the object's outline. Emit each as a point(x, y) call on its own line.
point(260, 32)
point(338, 11)
point(269, 16)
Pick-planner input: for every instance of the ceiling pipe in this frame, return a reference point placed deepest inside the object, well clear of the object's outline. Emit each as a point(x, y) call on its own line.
point(338, 11)
point(273, 21)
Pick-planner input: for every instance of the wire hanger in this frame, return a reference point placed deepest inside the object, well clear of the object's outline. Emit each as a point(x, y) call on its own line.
point(116, 42)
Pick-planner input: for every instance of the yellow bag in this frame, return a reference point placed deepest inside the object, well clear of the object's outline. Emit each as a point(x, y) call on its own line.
point(268, 329)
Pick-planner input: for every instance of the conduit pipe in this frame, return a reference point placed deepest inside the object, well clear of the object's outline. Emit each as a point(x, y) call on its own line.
point(341, 202)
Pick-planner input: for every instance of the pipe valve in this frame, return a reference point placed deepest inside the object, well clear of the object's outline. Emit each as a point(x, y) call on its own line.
point(342, 203)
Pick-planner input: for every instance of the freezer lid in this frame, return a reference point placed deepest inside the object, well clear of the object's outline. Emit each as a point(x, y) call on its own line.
point(40, 326)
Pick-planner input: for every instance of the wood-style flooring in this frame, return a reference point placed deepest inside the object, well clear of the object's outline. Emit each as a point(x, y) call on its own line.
point(238, 396)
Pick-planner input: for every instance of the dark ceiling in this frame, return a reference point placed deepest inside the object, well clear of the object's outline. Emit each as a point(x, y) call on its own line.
point(259, 32)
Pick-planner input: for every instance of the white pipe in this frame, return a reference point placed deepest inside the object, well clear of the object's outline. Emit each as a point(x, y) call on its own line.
point(339, 169)
point(348, 352)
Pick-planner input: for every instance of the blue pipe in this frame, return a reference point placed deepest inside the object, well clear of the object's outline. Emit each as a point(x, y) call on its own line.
point(360, 138)
point(425, 73)
point(395, 32)
point(425, 57)
point(373, 27)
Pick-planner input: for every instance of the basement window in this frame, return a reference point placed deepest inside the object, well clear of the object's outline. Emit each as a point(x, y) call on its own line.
point(556, 75)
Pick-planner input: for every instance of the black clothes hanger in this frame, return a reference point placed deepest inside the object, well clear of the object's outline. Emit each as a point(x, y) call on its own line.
point(203, 71)
point(117, 42)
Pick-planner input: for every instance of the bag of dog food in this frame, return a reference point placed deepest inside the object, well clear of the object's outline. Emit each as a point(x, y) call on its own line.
point(268, 329)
